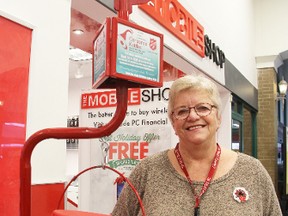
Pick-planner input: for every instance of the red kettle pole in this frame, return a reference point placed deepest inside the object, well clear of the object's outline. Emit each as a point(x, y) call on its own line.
point(66, 133)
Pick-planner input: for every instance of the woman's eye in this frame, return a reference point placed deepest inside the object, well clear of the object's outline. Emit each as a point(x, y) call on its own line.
point(202, 108)
point(182, 111)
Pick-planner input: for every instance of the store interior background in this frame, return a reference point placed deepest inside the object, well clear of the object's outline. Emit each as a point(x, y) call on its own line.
point(48, 100)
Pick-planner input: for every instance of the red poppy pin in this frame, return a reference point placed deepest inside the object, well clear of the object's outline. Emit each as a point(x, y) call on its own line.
point(240, 194)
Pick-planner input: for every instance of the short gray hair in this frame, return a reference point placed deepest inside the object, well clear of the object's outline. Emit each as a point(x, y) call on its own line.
point(194, 82)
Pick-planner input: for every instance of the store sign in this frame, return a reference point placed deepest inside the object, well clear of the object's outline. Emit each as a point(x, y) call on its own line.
point(214, 52)
point(175, 18)
point(142, 126)
point(145, 131)
point(108, 99)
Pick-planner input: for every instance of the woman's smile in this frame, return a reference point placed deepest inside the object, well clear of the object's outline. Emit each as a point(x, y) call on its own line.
point(194, 127)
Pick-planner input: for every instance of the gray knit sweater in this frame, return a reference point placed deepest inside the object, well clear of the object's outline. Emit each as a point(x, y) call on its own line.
point(166, 193)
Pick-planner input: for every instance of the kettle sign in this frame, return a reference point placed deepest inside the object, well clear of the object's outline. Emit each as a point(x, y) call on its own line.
point(153, 44)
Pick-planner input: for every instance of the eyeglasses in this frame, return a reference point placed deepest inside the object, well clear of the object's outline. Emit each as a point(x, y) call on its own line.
point(202, 109)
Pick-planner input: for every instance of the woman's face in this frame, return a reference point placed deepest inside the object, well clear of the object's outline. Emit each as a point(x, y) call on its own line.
point(195, 129)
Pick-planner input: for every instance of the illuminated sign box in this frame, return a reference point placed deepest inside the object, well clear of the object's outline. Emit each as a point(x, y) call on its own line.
point(126, 51)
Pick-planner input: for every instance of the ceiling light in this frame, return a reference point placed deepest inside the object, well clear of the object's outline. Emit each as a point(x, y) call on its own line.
point(79, 73)
point(78, 31)
point(76, 54)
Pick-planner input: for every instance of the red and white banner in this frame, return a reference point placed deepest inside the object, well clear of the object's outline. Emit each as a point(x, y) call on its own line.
point(145, 130)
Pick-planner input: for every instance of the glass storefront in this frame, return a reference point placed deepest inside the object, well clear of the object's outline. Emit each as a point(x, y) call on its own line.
point(244, 137)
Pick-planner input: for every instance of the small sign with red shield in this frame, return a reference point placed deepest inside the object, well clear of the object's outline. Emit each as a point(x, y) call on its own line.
point(130, 52)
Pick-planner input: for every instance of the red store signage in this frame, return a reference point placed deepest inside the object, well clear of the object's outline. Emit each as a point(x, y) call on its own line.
point(173, 16)
point(104, 99)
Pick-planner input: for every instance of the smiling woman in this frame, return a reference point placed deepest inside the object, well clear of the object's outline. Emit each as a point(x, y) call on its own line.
point(174, 181)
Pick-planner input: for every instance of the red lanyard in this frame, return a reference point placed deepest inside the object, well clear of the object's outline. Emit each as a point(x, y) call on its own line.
point(212, 170)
